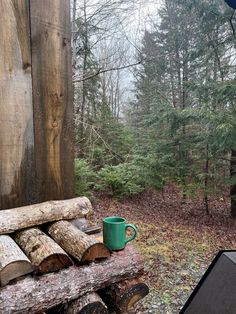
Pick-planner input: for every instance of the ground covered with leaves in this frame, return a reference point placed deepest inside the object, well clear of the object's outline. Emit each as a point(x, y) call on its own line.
point(177, 240)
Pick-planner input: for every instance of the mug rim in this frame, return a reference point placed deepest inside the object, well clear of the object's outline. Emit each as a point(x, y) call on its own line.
point(122, 220)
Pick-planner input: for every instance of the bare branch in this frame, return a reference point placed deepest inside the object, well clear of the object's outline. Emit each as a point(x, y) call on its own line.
point(99, 71)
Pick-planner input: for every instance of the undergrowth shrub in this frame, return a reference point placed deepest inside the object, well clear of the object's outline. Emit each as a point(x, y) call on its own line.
point(122, 180)
point(84, 178)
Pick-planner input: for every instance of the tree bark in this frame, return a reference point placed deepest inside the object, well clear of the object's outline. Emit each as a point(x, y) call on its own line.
point(45, 254)
point(122, 296)
point(206, 181)
point(233, 185)
point(89, 303)
point(15, 219)
point(77, 243)
point(53, 289)
point(53, 98)
point(13, 262)
point(16, 106)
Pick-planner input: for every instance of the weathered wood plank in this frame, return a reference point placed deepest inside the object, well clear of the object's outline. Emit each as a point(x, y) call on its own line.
point(77, 243)
point(16, 108)
point(13, 262)
point(53, 289)
point(44, 253)
point(15, 219)
point(52, 97)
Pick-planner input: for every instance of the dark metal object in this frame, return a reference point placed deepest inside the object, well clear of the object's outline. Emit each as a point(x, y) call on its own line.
point(231, 3)
point(216, 291)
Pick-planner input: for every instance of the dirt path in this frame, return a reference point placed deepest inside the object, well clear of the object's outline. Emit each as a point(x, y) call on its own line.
point(178, 242)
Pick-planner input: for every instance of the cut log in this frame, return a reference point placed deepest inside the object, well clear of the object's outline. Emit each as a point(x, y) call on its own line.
point(122, 296)
point(47, 291)
point(82, 224)
point(28, 216)
point(44, 253)
point(13, 262)
point(89, 303)
point(77, 243)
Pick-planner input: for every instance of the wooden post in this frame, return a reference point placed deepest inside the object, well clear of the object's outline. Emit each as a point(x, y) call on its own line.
point(16, 108)
point(52, 97)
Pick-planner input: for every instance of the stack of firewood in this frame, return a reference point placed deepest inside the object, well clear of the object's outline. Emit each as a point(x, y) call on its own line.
point(51, 261)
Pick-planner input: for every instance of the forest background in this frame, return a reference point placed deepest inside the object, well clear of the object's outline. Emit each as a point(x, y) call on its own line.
point(155, 95)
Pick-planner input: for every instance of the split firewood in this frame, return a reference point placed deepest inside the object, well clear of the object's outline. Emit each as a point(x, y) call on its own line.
point(44, 253)
point(32, 295)
point(89, 303)
point(15, 219)
point(122, 296)
point(77, 243)
point(13, 262)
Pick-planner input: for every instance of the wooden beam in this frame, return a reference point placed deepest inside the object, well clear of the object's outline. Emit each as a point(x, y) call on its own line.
point(32, 295)
point(15, 219)
point(52, 98)
point(16, 107)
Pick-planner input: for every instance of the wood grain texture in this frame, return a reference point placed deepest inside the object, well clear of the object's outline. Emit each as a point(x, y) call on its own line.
point(13, 262)
point(77, 243)
point(44, 253)
point(16, 108)
point(52, 97)
point(19, 218)
point(90, 303)
point(122, 296)
point(53, 289)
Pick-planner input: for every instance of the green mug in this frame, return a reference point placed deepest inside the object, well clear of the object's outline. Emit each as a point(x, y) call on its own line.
point(114, 233)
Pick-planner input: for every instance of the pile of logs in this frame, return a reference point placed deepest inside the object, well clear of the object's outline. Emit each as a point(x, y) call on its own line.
point(52, 262)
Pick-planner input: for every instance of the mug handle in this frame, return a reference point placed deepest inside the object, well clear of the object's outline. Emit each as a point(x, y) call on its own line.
point(135, 232)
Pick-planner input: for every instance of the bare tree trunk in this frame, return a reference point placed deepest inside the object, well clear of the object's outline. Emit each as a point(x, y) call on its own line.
point(206, 181)
point(233, 184)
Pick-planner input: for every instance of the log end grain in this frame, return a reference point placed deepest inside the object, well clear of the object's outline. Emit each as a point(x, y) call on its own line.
point(96, 251)
point(94, 308)
point(53, 263)
point(132, 296)
point(14, 270)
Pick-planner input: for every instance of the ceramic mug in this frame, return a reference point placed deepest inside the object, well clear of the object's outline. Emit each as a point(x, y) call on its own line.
point(114, 233)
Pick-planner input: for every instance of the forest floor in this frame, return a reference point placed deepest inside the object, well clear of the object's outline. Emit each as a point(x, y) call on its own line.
point(177, 240)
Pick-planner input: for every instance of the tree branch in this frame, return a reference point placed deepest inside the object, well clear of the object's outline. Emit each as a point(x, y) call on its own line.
point(99, 71)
